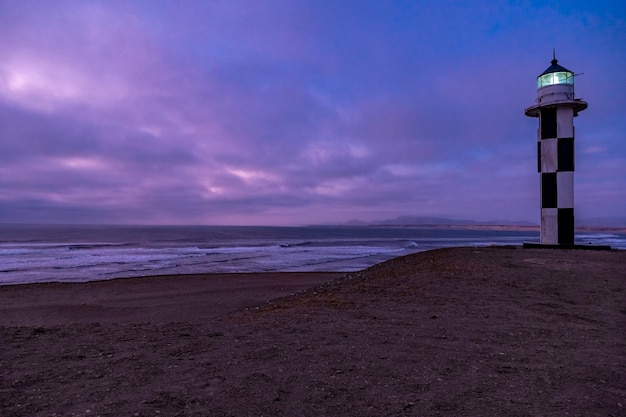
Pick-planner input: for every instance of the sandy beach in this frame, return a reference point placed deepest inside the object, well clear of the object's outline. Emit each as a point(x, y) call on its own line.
point(494, 331)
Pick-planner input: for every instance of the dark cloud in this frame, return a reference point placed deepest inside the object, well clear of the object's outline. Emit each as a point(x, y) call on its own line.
point(297, 112)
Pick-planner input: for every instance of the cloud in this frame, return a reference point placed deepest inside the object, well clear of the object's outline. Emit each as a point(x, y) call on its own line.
point(291, 112)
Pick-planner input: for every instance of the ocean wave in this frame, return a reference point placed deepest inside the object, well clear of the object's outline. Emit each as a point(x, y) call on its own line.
point(596, 236)
point(204, 250)
point(295, 245)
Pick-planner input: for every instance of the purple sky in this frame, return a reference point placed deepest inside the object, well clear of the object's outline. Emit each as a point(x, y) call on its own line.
point(292, 112)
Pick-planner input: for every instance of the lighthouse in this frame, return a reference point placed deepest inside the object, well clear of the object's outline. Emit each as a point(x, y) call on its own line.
point(556, 108)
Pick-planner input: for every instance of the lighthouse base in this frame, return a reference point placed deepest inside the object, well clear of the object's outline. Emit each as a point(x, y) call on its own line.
point(531, 245)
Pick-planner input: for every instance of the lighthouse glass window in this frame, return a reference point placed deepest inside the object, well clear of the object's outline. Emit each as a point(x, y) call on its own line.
point(555, 78)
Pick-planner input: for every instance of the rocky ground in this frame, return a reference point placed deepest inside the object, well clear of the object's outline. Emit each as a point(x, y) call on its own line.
point(497, 331)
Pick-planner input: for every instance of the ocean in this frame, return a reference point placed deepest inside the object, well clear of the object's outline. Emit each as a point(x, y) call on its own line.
point(47, 253)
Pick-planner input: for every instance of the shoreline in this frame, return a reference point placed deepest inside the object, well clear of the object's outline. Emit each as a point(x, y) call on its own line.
point(487, 331)
point(77, 255)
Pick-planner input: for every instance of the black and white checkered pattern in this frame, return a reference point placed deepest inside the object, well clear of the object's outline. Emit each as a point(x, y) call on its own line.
point(556, 166)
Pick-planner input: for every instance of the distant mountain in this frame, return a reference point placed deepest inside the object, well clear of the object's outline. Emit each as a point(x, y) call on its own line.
point(356, 222)
point(619, 222)
point(433, 220)
point(596, 223)
point(420, 220)
point(511, 222)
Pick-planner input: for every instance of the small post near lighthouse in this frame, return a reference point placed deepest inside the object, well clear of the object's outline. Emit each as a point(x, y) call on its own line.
point(556, 108)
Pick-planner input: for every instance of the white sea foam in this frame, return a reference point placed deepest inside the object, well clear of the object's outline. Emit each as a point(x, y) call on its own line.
point(613, 240)
point(596, 236)
point(96, 253)
point(93, 262)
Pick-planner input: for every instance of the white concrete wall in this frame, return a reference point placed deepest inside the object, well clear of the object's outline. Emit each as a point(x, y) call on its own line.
point(549, 226)
point(554, 93)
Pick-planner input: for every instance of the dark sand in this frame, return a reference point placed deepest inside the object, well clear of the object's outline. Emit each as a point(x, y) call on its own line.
point(452, 332)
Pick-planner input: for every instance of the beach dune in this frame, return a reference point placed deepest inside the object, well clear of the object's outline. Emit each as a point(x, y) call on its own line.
point(489, 331)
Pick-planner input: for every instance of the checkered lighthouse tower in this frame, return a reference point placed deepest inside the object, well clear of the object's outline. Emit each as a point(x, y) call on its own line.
point(556, 108)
